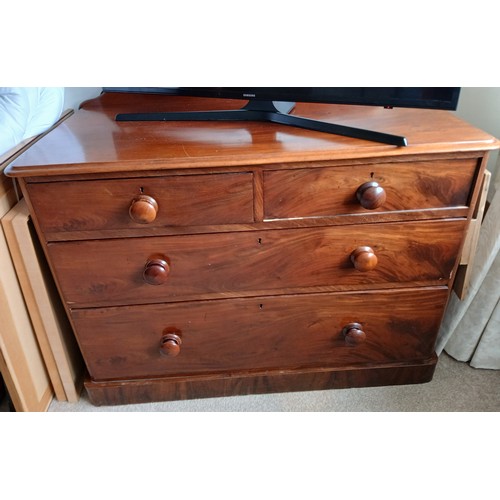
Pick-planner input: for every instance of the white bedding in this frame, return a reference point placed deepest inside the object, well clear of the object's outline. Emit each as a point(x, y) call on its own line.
point(26, 112)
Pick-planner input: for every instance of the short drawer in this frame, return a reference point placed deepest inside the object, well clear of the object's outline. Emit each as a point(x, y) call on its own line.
point(151, 201)
point(260, 333)
point(157, 269)
point(363, 189)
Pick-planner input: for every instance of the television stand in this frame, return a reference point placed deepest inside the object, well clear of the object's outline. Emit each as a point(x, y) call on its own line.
point(274, 112)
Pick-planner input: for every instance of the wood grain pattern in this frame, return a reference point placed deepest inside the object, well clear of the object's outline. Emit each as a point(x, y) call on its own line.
point(192, 387)
point(253, 262)
point(252, 266)
point(332, 191)
point(289, 332)
point(182, 200)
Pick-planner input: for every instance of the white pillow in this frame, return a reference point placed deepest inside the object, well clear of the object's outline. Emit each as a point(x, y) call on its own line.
point(26, 112)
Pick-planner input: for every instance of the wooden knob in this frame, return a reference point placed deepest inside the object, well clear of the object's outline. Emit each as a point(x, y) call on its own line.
point(353, 334)
point(143, 209)
point(371, 195)
point(156, 271)
point(170, 344)
point(364, 259)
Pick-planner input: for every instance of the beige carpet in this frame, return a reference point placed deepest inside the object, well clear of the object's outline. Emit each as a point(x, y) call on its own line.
point(456, 387)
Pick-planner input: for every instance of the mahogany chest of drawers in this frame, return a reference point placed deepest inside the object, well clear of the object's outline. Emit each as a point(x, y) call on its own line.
point(198, 260)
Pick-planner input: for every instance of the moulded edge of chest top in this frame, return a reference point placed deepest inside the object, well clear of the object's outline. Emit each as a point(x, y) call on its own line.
point(59, 173)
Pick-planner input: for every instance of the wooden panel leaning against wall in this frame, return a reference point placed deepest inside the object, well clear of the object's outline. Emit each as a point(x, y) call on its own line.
point(37, 357)
point(21, 363)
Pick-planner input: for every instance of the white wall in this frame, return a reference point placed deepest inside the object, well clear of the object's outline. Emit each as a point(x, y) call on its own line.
point(480, 106)
point(74, 96)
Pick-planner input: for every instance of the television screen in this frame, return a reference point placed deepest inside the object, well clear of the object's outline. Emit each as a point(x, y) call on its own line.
point(414, 97)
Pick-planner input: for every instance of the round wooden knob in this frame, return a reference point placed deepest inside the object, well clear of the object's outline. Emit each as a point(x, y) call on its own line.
point(371, 195)
point(156, 271)
point(170, 344)
point(353, 334)
point(364, 259)
point(143, 209)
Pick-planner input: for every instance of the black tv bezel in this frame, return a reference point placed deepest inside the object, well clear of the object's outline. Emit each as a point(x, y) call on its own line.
point(363, 96)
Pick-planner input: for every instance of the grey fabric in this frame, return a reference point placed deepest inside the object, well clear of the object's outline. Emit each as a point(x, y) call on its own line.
point(477, 336)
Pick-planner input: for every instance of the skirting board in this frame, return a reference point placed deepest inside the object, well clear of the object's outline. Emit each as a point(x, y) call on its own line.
point(52, 328)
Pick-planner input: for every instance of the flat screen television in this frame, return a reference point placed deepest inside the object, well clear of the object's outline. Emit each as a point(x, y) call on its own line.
point(274, 104)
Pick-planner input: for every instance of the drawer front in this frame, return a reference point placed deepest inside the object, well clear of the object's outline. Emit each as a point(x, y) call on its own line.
point(152, 201)
point(235, 334)
point(334, 191)
point(158, 269)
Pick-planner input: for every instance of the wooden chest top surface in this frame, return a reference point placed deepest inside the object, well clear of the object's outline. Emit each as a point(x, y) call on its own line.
point(91, 141)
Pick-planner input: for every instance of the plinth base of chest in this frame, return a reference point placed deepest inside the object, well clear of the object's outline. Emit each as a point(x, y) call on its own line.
point(236, 384)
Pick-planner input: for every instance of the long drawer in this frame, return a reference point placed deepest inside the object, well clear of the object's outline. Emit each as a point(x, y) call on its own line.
point(363, 189)
point(183, 200)
point(157, 269)
point(285, 332)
